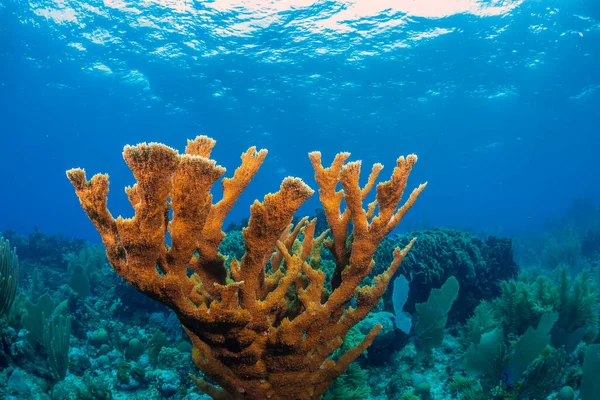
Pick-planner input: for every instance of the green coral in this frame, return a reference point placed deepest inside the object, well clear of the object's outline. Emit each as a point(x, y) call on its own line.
point(486, 358)
point(169, 358)
point(85, 266)
point(157, 342)
point(232, 245)
point(33, 320)
point(123, 372)
point(516, 306)
point(467, 388)
point(545, 375)
point(79, 282)
point(99, 337)
point(126, 372)
point(566, 393)
point(98, 387)
point(409, 396)
point(135, 349)
point(184, 347)
point(56, 336)
point(432, 316)
point(138, 373)
point(483, 320)
point(9, 275)
point(351, 385)
point(491, 359)
point(352, 339)
point(578, 304)
point(523, 302)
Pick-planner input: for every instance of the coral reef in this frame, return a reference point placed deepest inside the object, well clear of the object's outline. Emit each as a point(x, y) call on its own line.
point(247, 337)
point(39, 248)
point(536, 363)
point(123, 345)
point(478, 265)
point(102, 365)
point(522, 303)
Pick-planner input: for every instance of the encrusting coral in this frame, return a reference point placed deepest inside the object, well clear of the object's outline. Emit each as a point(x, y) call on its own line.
point(247, 337)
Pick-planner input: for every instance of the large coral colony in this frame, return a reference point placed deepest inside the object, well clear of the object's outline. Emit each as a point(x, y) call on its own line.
point(247, 336)
point(280, 306)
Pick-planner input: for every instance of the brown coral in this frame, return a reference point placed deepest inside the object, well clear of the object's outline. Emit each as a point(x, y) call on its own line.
point(247, 336)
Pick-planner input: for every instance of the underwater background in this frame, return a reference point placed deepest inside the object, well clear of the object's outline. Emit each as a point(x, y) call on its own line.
point(499, 100)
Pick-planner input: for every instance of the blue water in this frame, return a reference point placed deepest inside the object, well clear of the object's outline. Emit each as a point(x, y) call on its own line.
point(499, 99)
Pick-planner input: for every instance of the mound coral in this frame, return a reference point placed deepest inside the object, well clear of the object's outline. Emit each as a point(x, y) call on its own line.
point(479, 266)
point(247, 337)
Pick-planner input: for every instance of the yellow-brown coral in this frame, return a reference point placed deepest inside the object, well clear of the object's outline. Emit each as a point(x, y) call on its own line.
point(246, 336)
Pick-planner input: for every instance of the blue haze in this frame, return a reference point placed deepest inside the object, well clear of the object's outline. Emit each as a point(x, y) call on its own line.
point(500, 103)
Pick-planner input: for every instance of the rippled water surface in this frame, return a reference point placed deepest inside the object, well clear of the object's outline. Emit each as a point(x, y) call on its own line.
point(489, 93)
